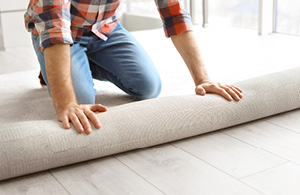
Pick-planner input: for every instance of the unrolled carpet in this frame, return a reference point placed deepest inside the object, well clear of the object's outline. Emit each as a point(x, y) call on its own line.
point(36, 145)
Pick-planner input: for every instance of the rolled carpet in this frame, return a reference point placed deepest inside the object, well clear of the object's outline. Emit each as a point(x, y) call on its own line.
point(32, 146)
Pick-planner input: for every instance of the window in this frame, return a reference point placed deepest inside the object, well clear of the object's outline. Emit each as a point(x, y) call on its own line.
point(241, 13)
point(140, 15)
point(141, 7)
point(287, 18)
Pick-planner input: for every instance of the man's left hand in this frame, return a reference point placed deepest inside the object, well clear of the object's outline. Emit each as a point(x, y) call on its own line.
point(229, 92)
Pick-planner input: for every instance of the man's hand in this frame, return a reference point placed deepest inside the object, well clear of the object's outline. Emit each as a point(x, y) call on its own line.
point(80, 115)
point(188, 48)
point(229, 92)
point(58, 68)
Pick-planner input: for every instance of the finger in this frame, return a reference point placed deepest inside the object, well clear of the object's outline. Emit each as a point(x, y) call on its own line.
point(84, 122)
point(75, 121)
point(98, 107)
point(66, 123)
point(218, 88)
point(235, 87)
point(93, 118)
point(232, 93)
point(200, 90)
point(237, 92)
point(223, 93)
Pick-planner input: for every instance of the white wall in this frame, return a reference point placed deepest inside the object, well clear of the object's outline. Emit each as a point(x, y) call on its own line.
point(12, 28)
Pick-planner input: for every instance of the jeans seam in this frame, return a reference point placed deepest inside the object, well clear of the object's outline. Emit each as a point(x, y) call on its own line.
point(121, 68)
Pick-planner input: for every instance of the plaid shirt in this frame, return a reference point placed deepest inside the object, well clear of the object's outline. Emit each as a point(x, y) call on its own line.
point(64, 21)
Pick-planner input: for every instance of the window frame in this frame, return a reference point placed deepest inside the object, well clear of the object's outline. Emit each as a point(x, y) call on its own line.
point(266, 15)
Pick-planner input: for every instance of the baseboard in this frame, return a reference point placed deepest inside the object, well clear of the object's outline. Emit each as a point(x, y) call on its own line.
point(135, 22)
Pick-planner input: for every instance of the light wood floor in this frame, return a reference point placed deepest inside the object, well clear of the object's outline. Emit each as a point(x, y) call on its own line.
point(260, 157)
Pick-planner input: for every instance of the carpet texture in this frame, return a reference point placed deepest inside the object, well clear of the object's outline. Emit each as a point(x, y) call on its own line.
point(38, 142)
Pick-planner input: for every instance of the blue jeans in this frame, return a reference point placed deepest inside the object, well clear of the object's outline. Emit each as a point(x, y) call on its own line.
point(120, 60)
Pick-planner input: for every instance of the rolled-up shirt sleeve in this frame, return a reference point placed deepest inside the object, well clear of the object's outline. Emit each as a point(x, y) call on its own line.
point(52, 20)
point(175, 19)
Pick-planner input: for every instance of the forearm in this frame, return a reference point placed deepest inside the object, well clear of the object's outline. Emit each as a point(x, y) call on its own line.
point(58, 68)
point(188, 48)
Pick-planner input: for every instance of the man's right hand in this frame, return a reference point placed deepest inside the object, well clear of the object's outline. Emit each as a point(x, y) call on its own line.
point(58, 68)
point(80, 115)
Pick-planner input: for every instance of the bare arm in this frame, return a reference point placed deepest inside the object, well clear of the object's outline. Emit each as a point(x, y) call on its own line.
point(187, 46)
point(58, 68)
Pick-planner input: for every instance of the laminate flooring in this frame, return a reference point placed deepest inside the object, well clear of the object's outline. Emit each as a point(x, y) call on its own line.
point(259, 157)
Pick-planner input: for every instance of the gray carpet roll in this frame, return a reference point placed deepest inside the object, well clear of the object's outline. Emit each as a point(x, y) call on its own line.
point(32, 146)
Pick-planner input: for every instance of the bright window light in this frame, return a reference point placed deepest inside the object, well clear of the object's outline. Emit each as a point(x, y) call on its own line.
point(240, 13)
point(288, 17)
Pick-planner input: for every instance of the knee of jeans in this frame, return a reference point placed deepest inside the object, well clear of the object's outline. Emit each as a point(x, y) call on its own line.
point(147, 89)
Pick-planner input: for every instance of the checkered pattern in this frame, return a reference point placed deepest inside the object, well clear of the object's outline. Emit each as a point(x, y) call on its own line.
point(63, 21)
point(175, 19)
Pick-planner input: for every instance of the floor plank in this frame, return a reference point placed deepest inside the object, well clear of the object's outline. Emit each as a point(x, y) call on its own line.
point(174, 171)
point(236, 158)
point(38, 183)
point(102, 176)
point(273, 138)
point(280, 180)
point(289, 120)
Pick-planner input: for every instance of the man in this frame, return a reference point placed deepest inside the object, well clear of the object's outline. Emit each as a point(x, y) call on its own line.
point(78, 40)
